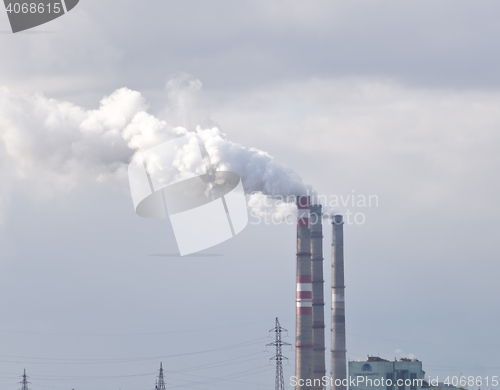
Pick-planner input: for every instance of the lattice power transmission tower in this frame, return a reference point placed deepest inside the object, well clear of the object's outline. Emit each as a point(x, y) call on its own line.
point(24, 382)
point(278, 343)
point(160, 382)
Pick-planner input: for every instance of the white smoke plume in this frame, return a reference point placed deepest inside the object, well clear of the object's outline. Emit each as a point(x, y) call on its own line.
point(65, 146)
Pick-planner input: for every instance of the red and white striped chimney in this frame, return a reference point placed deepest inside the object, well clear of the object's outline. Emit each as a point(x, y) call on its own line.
point(318, 297)
point(304, 343)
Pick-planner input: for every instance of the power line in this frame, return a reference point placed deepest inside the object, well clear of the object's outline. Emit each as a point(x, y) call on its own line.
point(128, 360)
point(226, 377)
point(426, 343)
point(129, 334)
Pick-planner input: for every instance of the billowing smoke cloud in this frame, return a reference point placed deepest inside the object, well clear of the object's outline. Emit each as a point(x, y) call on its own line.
point(70, 146)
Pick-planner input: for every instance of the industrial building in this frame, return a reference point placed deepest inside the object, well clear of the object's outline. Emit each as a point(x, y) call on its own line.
point(381, 374)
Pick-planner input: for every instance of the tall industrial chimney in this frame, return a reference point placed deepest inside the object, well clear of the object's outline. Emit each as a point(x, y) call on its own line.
point(318, 301)
point(339, 372)
point(303, 341)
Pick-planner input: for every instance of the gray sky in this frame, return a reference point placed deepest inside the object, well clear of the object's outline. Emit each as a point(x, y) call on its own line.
point(387, 98)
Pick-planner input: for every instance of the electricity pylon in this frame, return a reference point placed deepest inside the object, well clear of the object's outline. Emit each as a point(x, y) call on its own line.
point(160, 382)
point(24, 382)
point(278, 343)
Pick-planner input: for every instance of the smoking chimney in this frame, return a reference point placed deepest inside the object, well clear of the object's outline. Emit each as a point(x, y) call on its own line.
point(318, 301)
point(303, 342)
point(338, 308)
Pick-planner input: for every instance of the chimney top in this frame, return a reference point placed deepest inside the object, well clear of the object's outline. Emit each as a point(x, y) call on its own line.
point(338, 219)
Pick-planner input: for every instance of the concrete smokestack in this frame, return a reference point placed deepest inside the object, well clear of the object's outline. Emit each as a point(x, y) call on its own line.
point(338, 309)
point(303, 341)
point(318, 301)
